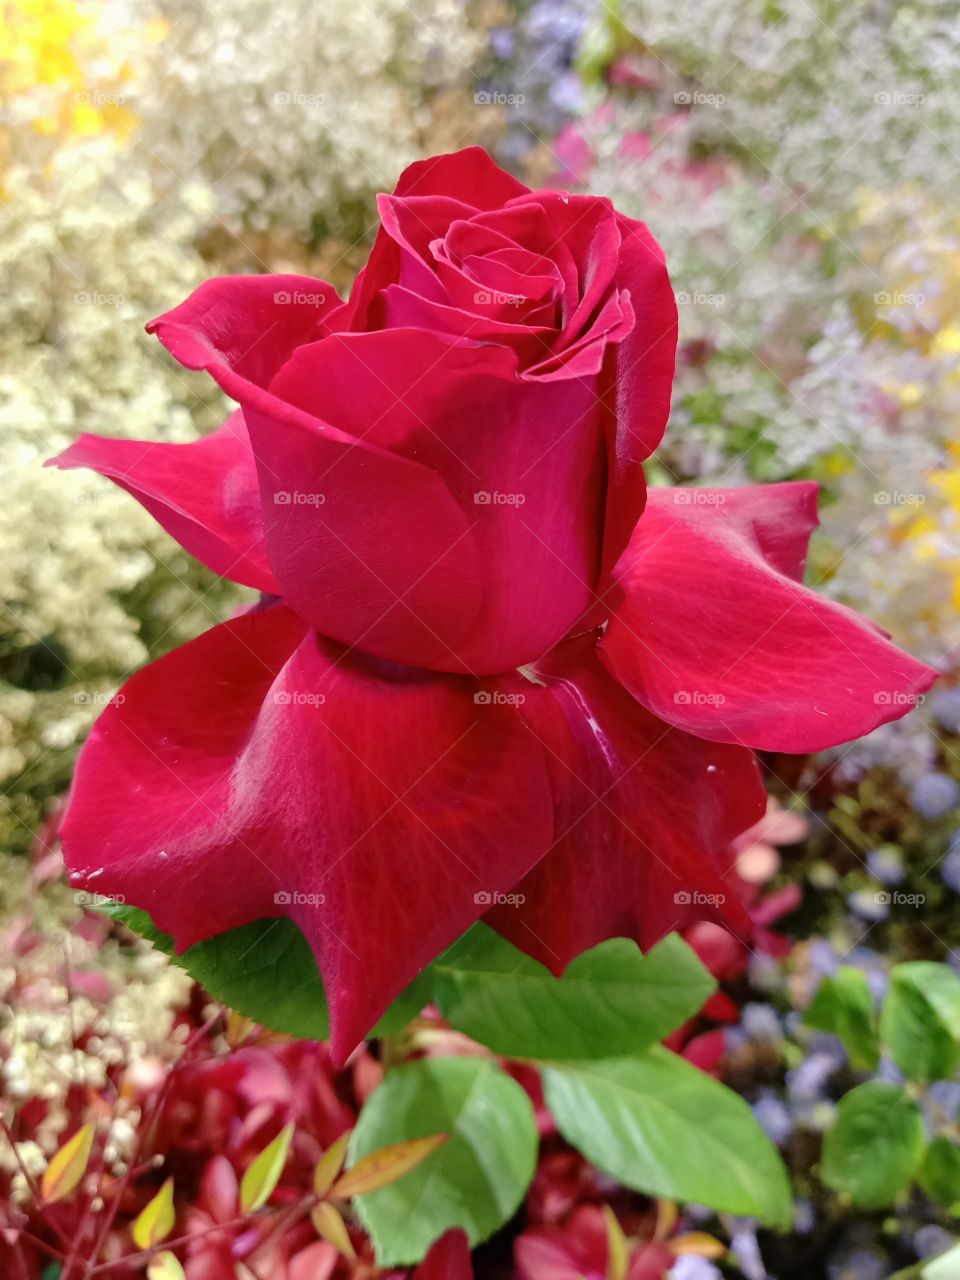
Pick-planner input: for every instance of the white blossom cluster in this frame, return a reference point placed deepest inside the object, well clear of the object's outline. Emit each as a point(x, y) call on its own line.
point(297, 114)
point(56, 1040)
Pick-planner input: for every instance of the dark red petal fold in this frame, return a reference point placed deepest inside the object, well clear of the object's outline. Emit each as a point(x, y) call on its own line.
point(644, 815)
point(369, 546)
point(448, 1259)
point(636, 381)
point(205, 494)
point(469, 176)
point(242, 329)
point(521, 462)
point(261, 771)
point(712, 633)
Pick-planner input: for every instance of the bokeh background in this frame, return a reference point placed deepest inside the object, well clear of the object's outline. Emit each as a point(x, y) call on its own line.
point(800, 162)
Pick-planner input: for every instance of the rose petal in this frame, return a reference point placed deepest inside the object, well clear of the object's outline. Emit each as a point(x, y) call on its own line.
point(708, 635)
point(204, 494)
point(636, 381)
point(242, 329)
point(389, 560)
point(382, 804)
point(469, 176)
point(448, 1259)
point(644, 815)
point(523, 461)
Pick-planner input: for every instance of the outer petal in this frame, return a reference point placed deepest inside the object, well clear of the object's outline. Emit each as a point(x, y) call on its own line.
point(393, 562)
point(241, 329)
point(522, 460)
point(260, 771)
point(709, 633)
point(469, 174)
point(644, 814)
point(448, 1259)
point(204, 494)
point(636, 381)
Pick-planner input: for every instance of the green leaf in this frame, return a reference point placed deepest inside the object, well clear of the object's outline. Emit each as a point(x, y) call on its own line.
point(475, 1180)
point(873, 1150)
point(156, 1219)
point(940, 1172)
point(920, 1023)
point(843, 1006)
point(65, 1171)
point(263, 1173)
point(611, 1001)
point(267, 972)
point(658, 1125)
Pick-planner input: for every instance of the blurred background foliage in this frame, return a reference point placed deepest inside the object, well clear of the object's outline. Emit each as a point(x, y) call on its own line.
point(799, 162)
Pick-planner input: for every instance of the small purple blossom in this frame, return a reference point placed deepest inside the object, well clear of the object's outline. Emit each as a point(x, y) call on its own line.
point(773, 1117)
point(935, 794)
point(946, 708)
point(885, 865)
point(950, 866)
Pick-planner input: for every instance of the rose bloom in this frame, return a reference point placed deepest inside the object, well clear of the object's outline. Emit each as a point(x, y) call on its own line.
point(489, 675)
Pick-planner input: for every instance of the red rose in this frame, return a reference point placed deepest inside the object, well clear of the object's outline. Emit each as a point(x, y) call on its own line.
point(484, 680)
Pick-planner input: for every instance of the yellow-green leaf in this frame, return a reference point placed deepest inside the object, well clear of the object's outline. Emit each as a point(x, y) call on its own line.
point(62, 1175)
point(165, 1267)
point(618, 1251)
point(331, 1226)
point(330, 1164)
point(264, 1173)
point(156, 1220)
point(380, 1168)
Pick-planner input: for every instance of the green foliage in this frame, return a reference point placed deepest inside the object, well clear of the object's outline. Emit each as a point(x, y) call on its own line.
point(476, 1180)
point(611, 1001)
point(661, 1126)
point(843, 1006)
point(940, 1172)
point(874, 1149)
point(640, 1113)
point(920, 1023)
